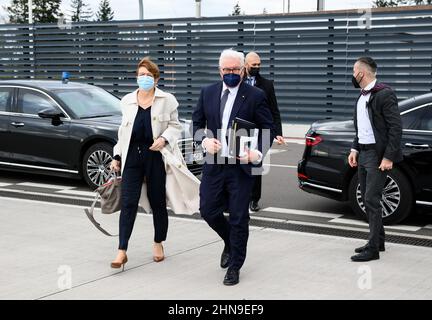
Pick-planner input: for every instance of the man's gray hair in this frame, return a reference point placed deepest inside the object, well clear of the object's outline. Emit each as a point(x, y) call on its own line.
point(230, 53)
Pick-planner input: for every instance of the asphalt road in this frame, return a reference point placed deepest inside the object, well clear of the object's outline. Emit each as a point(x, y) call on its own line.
point(283, 203)
point(280, 188)
point(280, 185)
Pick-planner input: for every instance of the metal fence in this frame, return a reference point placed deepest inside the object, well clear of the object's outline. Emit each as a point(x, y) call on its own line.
point(309, 56)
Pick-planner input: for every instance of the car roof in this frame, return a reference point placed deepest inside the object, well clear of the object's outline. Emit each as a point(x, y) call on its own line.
point(58, 84)
point(46, 84)
point(415, 101)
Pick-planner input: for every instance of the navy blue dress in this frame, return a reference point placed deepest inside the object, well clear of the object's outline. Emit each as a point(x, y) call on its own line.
point(142, 129)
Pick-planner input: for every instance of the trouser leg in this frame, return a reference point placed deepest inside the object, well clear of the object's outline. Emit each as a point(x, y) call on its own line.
point(156, 193)
point(238, 185)
point(132, 180)
point(374, 182)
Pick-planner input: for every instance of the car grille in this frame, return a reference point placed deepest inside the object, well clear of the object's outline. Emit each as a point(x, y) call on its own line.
point(188, 149)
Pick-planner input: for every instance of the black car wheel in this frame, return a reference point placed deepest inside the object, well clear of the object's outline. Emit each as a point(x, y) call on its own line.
point(95, 164)
point(397, 198)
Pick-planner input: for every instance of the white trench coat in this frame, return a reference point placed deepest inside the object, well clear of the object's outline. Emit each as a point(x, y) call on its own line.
point(182, 187)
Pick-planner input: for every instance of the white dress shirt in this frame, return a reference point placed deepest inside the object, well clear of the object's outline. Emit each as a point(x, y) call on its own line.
point(251, 80)
point(226, 116)
point(225, 121)
point(365, 132)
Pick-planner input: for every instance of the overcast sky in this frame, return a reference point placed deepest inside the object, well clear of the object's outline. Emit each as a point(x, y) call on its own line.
point(153, 9)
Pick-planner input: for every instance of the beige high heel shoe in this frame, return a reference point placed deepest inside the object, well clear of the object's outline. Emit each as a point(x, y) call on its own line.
point(118, 265)
point(158, 258)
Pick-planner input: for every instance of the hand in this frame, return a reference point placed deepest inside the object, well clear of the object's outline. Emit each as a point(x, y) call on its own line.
point(212, 145)
point(251, 156)
point(280, 140)
point(352, 159)
point(115, 165)
point(158, 144)
point(386, 164)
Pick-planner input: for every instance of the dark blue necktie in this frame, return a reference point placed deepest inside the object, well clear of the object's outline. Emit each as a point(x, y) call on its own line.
point(223, 102)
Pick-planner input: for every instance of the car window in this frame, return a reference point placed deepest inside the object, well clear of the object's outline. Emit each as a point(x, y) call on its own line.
point(89, 102)
point(32, 102)
point(411, 119)
point(425, 122)
point(5, 96)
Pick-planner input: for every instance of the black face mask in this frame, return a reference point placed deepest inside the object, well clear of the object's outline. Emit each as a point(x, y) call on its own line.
point(355, 83)
point(254, 71)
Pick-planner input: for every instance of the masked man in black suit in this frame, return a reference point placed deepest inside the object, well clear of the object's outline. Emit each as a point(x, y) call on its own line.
point(376, 147)
point(254, 78)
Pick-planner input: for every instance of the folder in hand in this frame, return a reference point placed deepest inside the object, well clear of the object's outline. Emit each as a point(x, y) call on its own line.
point(244, 134)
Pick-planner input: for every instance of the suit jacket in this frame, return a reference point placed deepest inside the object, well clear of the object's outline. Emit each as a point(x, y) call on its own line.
point(250, 104)
point(268, 87)
point(386, 124)
point(182, 187)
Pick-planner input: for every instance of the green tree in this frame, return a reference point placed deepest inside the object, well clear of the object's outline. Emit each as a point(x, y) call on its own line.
point(237, 10)
point(105, 12)
point(80, 11)
point(418, 2)
point(385, 3)
point(44, 11)
point(18, 11)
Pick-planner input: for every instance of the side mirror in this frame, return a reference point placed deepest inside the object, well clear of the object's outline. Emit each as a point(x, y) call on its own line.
point(51, 114)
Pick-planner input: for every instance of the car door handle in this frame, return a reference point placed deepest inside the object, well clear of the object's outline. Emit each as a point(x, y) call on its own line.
point(420, 146)
point(17, 124)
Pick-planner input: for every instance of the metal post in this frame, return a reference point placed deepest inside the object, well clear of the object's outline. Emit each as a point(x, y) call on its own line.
point(198, 8)
point(288, 6)
point(320, 5)
point(141, 10)
point(30, 11)
point(32, 53)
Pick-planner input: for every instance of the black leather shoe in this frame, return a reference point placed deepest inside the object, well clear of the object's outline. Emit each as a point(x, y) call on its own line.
point(225, 258)
point(231, 277)
point(254, 206)
point(366, 255)
point(361, 249)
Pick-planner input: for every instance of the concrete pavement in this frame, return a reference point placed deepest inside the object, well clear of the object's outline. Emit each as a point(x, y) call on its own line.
point(52, 251)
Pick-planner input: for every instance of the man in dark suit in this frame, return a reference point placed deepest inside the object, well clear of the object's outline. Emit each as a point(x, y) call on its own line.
point(254, 78)
point(227, 181)
point(376, 145)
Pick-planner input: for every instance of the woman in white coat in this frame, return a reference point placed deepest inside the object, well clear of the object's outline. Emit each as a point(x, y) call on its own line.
point(153, 169)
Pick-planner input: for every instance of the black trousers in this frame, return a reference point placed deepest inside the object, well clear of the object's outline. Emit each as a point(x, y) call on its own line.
point(142, 163)
point(372, 181)
point(228, 185)
point(256, 189)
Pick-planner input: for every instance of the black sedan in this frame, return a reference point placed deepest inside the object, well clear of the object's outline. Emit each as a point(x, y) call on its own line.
point(324, 168)
point(65, 129)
